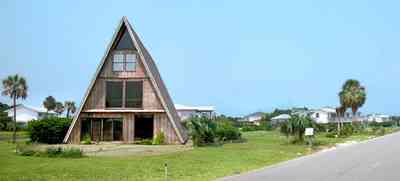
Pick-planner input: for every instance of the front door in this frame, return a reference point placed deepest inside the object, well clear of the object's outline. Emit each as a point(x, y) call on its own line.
point(144, 127)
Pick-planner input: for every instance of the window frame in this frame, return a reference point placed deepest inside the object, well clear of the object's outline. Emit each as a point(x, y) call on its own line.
point(113, 62)
point(142, 94)
point(124, 61)
point(122, 94)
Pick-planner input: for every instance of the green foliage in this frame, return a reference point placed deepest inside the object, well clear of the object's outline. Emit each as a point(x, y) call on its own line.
point(5, 122)
point(352, 95)
point(49, 103)
point(59, 109)
point(159, 139)
point(4, 107)
point(86, 139)
point(70, 107)
point(347, 130)
point(202, 130)
point(296, 127)
point(205, 131)
point(50, 130)
point(32, 150)
point(144, 142)
point(226, 131)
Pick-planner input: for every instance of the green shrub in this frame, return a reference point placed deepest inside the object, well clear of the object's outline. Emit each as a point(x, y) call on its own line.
point(296, 127)
point(86, 139)
point(347, 130)
point(32, 150)
point(71, 153)
point(226, 131)
point(332, 134)
point(378, 131)
point(50, 130)
point(143, 142)
point(250, 127)
point(159, 139)
point(202, 130)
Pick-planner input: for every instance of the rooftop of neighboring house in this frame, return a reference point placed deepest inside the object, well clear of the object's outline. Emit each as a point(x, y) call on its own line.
point(282, 116)
point(35, 109)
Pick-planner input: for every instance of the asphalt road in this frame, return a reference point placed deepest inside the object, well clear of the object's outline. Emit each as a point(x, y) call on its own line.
point(377, 159)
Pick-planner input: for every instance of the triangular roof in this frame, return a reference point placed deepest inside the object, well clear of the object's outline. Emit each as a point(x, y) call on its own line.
point(153, 73)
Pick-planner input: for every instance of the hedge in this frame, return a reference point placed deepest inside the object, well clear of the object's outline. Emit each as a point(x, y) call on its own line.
point(50, 130)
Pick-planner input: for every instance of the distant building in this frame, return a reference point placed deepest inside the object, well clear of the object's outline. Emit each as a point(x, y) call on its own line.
point(280, 119)
point(253, 118)
point(28, 113)
point(377, 118)
point(186, 112)
point(323, 115)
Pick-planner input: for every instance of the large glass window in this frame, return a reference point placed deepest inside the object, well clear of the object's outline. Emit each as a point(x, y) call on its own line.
point(118, 62)
point(133, 94)
point(114, 94)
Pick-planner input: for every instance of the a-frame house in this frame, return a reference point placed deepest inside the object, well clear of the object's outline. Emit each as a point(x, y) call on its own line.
point(126, 100)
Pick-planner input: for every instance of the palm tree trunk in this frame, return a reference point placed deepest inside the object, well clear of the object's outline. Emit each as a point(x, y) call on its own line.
point(67, 113)
point(15, 120)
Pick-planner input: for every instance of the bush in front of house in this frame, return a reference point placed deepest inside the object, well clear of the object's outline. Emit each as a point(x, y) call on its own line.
point(32, 150)
point(86, 140)
point(159, 139)
point(204, 131)
point(50, 130)
point(226, 131)
point(295, 127)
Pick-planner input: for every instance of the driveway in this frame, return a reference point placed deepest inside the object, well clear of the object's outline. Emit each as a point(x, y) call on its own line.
point(377, 159)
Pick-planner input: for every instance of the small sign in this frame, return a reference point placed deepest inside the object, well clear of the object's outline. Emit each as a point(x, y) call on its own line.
point(309, 131)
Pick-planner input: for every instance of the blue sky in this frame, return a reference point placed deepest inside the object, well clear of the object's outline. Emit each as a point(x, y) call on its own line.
point(240, 56)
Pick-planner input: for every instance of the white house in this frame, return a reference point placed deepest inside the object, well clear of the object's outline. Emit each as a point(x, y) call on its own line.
point(27, 113)
point(323, 115)
point(280, 119)
point(378, 118)
point(253, 118)
point(186, 112)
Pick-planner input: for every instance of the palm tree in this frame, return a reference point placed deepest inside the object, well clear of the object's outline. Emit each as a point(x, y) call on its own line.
point(59, 108)
point(353, 95)
point(70, 106)
point(15, 87)
point(49, 103)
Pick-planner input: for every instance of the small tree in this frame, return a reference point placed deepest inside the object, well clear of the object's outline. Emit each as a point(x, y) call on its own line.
point(70, 107)
point(15, 87)
point(296, 127)
point(49, 103)
point(59, 108)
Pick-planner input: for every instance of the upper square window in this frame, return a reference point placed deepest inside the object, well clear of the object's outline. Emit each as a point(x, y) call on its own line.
point(130, 63)
point(118, 62)
point(123, 61)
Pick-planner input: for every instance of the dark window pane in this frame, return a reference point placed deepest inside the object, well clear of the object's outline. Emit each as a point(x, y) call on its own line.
point(117, 129)
point(113, 94)
point(125, 42)
point(134, 94)
point(86, 128)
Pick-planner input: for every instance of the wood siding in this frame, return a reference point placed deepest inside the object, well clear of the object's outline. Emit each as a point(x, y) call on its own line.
point(97, 96)
point(161, 123)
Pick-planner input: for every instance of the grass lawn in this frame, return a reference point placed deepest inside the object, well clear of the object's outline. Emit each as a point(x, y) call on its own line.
point(204, 163)
point(7, 135)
